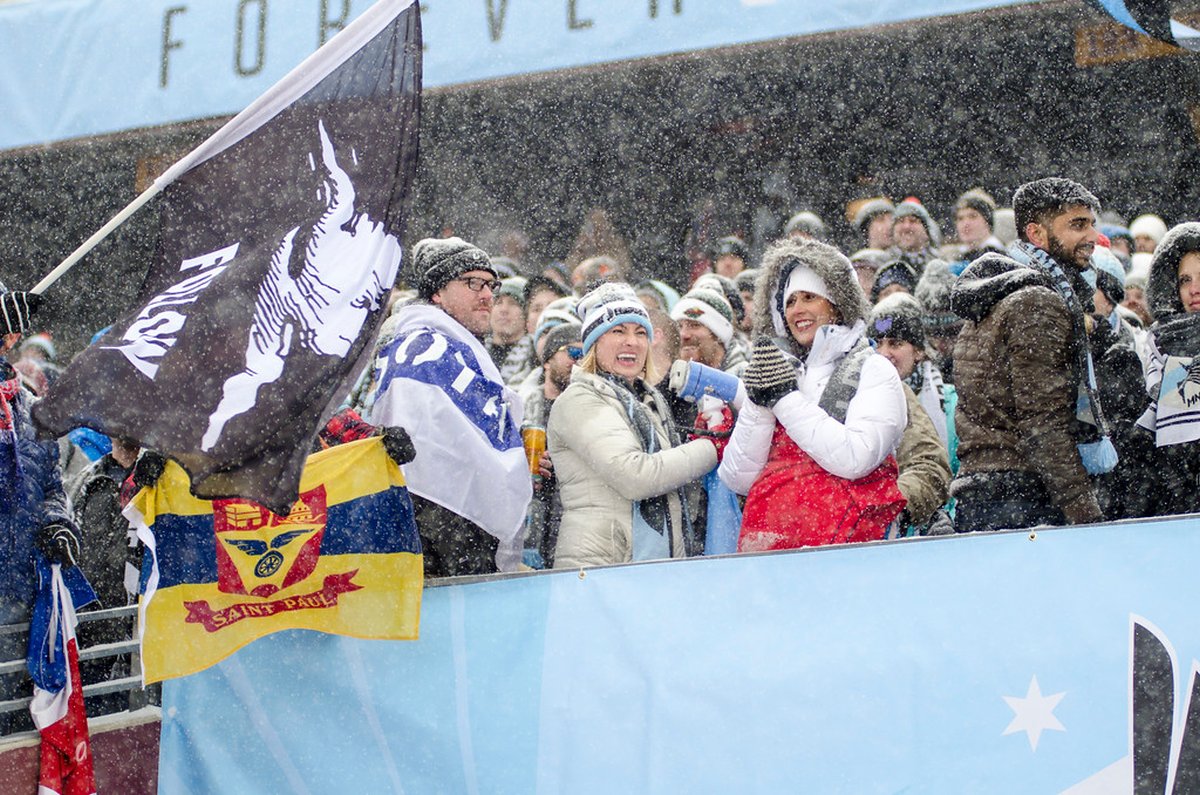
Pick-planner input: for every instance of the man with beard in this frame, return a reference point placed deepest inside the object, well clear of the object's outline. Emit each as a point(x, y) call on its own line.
point(705, 321)
point(463, 420)
point(1030, 424)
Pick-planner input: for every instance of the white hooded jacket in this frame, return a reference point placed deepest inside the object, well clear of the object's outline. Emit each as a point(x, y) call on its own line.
point(875, 419)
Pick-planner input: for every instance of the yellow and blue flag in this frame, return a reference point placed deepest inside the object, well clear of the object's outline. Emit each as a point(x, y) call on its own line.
point(219, 574)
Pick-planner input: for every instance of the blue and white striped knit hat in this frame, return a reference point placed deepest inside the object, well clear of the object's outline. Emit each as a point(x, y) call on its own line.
point(610, 305)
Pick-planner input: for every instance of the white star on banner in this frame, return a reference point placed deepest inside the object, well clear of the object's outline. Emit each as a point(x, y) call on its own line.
point(1034, 713)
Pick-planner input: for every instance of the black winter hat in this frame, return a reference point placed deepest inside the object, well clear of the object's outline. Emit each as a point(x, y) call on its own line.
point(747, 280)
point(899, 317)
point(917, 210)
point(560, 335)
point(933, 294)
point(871, 210)
point(438, 261)
point(806, 222)
point(538, 283)
point(895, 272)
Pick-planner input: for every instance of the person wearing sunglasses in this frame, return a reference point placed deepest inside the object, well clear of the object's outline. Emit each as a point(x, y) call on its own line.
point(469, 481)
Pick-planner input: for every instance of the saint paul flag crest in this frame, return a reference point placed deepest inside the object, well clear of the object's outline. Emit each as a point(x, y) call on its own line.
point(279, 240)
point(345, 559)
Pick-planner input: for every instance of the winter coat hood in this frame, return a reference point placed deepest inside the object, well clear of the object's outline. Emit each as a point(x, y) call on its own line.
point(1162, 290)
point(986, 281)
point(778, 262)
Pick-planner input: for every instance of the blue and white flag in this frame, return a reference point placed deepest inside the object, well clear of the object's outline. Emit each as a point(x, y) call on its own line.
point(436, 380)
point(279, 243)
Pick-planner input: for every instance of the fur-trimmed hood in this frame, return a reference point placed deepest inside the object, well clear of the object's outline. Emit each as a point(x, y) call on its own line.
point(1162, 289)
point(823, 260)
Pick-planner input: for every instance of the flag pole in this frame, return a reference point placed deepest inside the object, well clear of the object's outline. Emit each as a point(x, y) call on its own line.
point(98, 236)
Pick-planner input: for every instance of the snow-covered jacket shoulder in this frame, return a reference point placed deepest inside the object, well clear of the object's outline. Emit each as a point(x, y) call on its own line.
point(602, 469)
point(875, 419)
point(1017, 382)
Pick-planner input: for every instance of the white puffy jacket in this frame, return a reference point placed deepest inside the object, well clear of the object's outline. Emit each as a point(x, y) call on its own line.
point(875, 419)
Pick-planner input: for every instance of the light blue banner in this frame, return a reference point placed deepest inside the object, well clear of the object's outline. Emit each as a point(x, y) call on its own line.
point(997, 663)
point(70, 68)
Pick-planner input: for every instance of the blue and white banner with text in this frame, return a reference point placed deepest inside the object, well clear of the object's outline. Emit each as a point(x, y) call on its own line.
point(1049, 661)
point(73, 68)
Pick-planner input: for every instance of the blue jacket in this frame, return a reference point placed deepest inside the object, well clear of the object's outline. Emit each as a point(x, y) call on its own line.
point(31, 495)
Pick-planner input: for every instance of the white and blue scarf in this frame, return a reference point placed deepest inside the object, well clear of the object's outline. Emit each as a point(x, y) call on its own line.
point(1173, 381)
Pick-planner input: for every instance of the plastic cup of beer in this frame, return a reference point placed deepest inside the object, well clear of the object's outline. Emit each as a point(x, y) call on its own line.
point(535, 444)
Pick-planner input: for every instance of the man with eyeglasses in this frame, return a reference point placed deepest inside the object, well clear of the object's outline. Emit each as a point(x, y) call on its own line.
point(469, 482)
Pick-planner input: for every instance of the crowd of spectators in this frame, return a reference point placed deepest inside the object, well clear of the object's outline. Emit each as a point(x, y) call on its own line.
point(1036, 368)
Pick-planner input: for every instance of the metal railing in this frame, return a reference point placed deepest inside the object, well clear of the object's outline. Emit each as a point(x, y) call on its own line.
point(122, 619)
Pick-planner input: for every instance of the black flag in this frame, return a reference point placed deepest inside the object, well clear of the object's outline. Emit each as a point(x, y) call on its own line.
point(279, 243)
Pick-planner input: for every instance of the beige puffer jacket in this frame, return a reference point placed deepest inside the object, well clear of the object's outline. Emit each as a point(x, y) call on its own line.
point(602, 470)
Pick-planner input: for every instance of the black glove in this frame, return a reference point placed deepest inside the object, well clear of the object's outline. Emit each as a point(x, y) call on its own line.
point(769, 377)
point(15, 309)
point(398, 445)
point(58, 544)
point(148, 469)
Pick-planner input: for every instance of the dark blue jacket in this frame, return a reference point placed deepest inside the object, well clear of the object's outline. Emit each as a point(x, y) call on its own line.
point(31, 495)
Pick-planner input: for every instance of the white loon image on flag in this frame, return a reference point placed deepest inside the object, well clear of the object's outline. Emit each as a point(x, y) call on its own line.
point(436, 375)
point(279, 242)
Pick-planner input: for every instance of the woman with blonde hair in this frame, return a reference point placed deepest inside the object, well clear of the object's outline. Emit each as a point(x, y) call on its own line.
point(622, 472)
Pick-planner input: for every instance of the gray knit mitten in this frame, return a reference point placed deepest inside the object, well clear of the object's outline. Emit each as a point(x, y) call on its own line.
point(769, 377)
